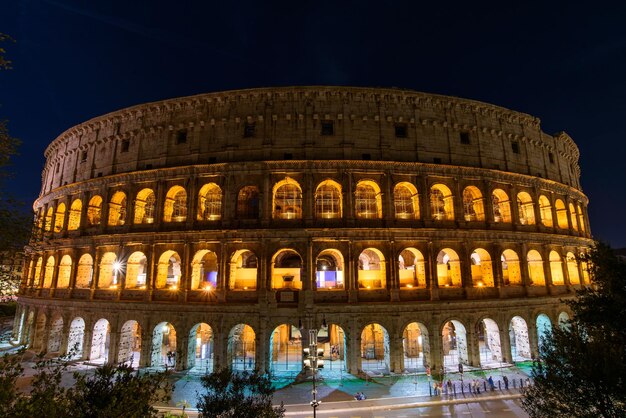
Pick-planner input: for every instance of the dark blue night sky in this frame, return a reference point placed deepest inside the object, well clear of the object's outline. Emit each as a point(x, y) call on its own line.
point(566, 64)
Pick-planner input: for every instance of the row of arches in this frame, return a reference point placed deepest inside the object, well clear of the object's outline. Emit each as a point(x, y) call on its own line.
point(287, 270)
point(328, 203)
point(485, 343)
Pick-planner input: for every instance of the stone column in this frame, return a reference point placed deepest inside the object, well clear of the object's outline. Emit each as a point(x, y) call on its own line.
point(261, 352)
point(114, 345)
point(182, 348)
point(396, 352)
point(533, 339)
point(436, 349)
point(473, 346)
point(87, 339)
point(431, 271)
point(505, 343)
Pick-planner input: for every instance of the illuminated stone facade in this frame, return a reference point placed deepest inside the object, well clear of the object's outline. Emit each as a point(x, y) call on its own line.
point(423, 229)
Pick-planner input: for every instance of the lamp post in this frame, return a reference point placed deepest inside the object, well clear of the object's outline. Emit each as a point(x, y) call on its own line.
point(313, 359)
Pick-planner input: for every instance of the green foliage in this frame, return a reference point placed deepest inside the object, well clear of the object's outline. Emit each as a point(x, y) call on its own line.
point(241, 395)
point(582, 366)
point(10, 370)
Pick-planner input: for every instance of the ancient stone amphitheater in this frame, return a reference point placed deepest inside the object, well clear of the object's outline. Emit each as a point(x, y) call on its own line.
point(411, 229)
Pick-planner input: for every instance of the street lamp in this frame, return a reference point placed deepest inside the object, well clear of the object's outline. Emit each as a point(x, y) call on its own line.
point(314, 358)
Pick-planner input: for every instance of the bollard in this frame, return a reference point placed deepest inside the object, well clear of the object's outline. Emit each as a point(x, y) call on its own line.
point(499, 387)
point(521, 383)
point(513, 383)
point(485, 385)
point(454, 389)
point(462, 389)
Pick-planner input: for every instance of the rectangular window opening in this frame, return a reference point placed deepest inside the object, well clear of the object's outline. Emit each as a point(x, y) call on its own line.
point(288, 156)
point(83, 156)
point(181, 136)
point(249, 130)
point(437, 160)
point(328, 128)
point(125, 145)
point(515, 147)
point(551, 157)
point(366, 157)
point(401, 130)
point(465, 138)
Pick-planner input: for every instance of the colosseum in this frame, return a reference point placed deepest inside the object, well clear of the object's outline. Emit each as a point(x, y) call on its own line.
point(411, 230)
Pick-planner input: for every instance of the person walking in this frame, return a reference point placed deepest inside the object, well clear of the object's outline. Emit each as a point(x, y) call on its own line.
point(491, 385)
point(506, 382)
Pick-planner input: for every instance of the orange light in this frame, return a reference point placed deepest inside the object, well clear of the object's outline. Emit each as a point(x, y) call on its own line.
point(410, 286)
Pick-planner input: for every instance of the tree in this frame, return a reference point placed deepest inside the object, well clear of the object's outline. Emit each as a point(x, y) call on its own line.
point(238, 394)
point(581, 371)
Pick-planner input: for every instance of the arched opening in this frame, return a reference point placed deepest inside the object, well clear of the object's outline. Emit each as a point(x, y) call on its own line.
point(572, 269)
point(328, 203)
point(94, 211)
point(37, 276)
point(49, 272)
point(76, 338)
point(59, 217)
point(501, 206)
point(561, 214)
point(371, 269)
point(168, 271)
point(144, 207)
point(545, 211)
point(489, 345)
point(454, 345)
point(175, 206)
point(367, 200)
point(375, 349)
point(109, 271)
point(248, 203)
point(329, 270)
point(200, 348)
point(448, 268)
point(572, 217)
point(136, 269)
point(518, 336)
point(73, 222)
point(163, 346)
point(84, 272)
point(416, 347)
point(581, 218)
point(525, 209)
point(204, 270)
point(286, 270)
point(441, 203)
point(535, 268)
point(210, 203)
point(473, 206)
point(286, 349)
point(411, 268)
point(287, 200)
point(242, 347)
point(332, 340)
point(544, 327)
point(511, 271)
point(117, 209)
point(130, 344)
point(65, 270)
point(556, 269)
point(482, 269)
point(100, 342)
point(406, 201)
point(243, 270)
point(55, 335)
point(48, 221)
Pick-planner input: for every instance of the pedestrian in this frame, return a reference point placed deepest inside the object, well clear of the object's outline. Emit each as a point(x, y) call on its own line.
point(506, 382)
point(491, 385)
point(473, 385)
point(449, 384)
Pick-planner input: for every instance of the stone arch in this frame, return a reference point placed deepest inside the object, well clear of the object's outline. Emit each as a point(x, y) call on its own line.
point(448, 268)
point(136, 271)
point(73, 222)
point(501, 206)
point(248, 203)
point(332, 340)
point(368, 200)
point(242, 347)
point(572, 268)
point(59, 217)
point(49, 272)
point(375, 349)
point(489, 345)
point(454, 344)
point(416, 345)
point(117, 209)
point(204, 270)
point(55, 334)
point(556, 269)
point(65, 271)
point(40, 329)
point(328, 202)
point(544, 326)
point(535, 268)
point(561, 214)
point(285, 349)
point(518, 336)
point(329, 269)
point(287, 199)
point(94, 211)
point(243, 270)
point(286, 270)
point(130, 344)
point(511, 269)
point(163, 352)
point(84, 272)
point(473, 206)
point(168, 271)
point(481, 268)
point(200, 348)
point(441, 203)
point(545, 211)
point(76, 338)
point(525, 209)
point(175, 205)
point(572, 217)
point(406, 201)
point(371, 269)
point(411, 268)
point(108, 274)
point(145, 204)
point(37, 277)
point(100, 341)
point(210, 203)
